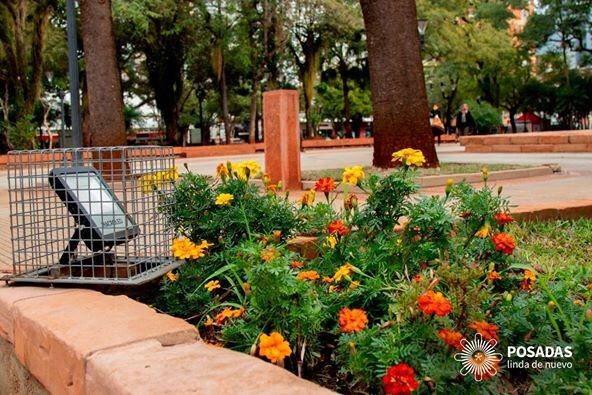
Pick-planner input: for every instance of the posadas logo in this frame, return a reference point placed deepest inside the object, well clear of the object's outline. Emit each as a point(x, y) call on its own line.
point(479, 358)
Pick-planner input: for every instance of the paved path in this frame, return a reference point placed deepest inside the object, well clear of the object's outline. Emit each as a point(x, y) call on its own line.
point(573, 185)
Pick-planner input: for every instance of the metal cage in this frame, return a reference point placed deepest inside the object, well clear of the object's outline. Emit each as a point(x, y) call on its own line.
point(91, 215)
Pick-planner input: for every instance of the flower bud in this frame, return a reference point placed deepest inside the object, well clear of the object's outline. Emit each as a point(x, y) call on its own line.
point(499, 190)
point(551, 305)
point(508, 297)
point(589, 315)
point(449, 185)
point(485, 173)
point(350, 202)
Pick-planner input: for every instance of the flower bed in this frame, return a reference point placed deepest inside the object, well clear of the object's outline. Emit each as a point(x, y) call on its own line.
point(367, 305)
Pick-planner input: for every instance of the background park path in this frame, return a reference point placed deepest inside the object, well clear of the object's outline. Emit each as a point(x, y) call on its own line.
point(571, 187)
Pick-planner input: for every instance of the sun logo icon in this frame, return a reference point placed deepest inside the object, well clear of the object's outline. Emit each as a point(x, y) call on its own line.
point(478, 358)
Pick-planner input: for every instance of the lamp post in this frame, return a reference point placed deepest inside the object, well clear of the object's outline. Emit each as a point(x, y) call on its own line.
point(422, 25)
point(73, 73)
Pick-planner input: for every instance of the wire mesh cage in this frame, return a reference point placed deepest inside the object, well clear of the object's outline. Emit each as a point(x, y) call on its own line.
point(91, 215)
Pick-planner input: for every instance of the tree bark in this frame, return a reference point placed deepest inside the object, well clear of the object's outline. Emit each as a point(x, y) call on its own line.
point(343, 72)
point(399, 98)
point(106, 121)
point(253, 112)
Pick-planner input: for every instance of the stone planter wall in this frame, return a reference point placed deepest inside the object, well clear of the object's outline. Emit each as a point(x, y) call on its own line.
point(72, 341)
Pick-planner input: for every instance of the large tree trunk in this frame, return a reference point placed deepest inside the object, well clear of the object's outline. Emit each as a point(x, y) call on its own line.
point(105, 102)
point(399, 98)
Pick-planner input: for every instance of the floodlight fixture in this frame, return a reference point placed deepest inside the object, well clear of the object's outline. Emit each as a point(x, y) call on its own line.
point(101, 219)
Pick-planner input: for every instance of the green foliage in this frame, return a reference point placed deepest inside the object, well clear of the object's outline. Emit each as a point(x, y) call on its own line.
point(380, 264)
point(487, 118)
point(22, 134)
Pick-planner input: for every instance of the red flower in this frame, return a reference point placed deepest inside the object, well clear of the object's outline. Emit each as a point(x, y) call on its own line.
point(338, 227)
point(504, 243)
point(488, 331)
point(325, 185)
point(450, 337)
point(399, 379)
point(503, 218)
point(434, 303)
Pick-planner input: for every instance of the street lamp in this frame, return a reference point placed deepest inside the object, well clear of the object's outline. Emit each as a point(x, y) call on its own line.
point(73, 73)
point(422, 25)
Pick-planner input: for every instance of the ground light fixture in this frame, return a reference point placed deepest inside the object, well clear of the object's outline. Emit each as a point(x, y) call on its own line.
point(101, 221)
point(91, 215)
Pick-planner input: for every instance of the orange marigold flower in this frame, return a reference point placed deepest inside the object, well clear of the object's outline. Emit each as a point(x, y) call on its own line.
point(352, 320)
point(338, 227)
point(172, 276)
point(297, 264)
point(434, 303)
point(328, 280)
point(493, 276)
point(450, 337)
point(483, 232)
point(325, 185)
point(399, 379)
point(268, 254)
point(528, 281)
point(227, 313)
point(488, 331)
point(350, 202)
point(274, 347)
point(504, 243)
point(309, 275)
point(503, 218)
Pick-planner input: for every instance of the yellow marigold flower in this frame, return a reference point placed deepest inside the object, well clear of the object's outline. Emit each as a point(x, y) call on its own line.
point(353, 175)
point(274, 347)
point(186, 249)
point(330, 241)
point(245, 170)
point(172, 277)
point(333, 288)
point(484, 231)
point(309, 275)
point(354, 284)
point(153, 181)
point(212, 285)
point(308, 198)
point(224, 199)
point(343, 271)
point(409, 157)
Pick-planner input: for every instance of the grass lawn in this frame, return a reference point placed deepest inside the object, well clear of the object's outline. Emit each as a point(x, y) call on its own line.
point(445, 168)
point(555, 245)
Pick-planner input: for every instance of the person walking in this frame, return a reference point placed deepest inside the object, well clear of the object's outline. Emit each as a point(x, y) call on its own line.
point(465, 123)
point(436, 123)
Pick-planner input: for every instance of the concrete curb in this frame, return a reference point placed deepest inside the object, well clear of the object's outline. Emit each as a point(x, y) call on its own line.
point(472, 178)
point(83, 342)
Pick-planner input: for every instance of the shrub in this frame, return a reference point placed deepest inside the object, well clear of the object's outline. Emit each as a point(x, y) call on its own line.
point(487, 118)
point(391, 288)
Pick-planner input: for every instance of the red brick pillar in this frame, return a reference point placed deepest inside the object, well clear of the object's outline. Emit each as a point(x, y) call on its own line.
point(281, 125)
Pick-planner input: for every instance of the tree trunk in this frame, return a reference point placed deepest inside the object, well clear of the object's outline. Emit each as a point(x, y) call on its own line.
point(253, 113)
point(224, 104)
point(105, 102)
point(346, 103)
point(399, 98)
point(512, 112)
